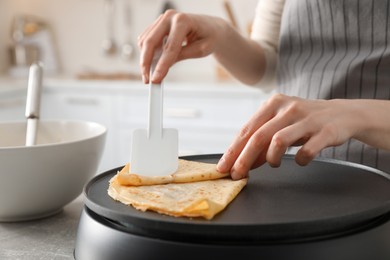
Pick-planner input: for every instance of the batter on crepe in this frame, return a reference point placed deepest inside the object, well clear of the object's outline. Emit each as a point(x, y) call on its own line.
point(200, 198)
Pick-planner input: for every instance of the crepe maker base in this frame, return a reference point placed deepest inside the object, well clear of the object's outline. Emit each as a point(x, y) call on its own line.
point(327, 210)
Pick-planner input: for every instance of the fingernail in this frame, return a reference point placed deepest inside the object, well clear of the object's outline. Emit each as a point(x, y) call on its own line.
point(222, 166)
point(156, 76)
point(235, 175)
point(146, 78)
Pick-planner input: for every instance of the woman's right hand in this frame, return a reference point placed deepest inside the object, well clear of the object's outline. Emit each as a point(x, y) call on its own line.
point(187, 36)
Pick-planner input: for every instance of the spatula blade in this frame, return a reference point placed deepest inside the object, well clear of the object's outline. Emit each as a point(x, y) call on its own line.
point(154, 156)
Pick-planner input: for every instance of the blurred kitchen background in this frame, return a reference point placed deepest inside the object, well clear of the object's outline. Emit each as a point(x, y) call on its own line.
point(84, 80)
point(77, 29)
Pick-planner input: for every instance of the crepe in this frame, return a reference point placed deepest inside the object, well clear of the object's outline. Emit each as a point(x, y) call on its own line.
point(195, 190)
point(194, 199)
point(187, 171)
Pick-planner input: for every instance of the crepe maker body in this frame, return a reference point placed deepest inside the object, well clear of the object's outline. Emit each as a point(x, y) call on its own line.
point(329, 209)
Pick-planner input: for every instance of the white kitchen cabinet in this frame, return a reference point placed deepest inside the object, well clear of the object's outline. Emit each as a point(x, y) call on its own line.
point(208, 115)
point(76, 104)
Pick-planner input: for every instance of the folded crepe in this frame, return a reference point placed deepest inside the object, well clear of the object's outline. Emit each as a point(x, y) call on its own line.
point(187, 171)
point(194, 190)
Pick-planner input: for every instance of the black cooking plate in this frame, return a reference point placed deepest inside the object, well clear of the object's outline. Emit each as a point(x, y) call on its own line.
point(324, 199)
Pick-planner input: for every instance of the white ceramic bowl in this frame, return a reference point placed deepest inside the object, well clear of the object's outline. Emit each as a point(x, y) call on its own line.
point(38, 181)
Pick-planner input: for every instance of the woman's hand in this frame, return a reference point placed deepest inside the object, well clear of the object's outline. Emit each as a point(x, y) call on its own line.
point(285, 121)
point(195, 36)
point(187, 36)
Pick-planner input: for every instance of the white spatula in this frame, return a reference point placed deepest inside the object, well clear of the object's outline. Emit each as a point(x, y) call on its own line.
point(154, 150)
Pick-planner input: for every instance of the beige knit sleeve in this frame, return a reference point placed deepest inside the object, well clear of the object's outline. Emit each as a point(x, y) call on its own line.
point(266, 31)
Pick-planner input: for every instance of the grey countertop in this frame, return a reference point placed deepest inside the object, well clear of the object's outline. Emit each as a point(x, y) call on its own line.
point(49, 238)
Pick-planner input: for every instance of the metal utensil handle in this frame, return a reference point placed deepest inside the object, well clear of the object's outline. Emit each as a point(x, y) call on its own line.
point(32, 131)
point(34, 91)
point(33, 102)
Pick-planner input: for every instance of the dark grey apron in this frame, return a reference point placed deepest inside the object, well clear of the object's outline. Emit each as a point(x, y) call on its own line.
point(337, 49)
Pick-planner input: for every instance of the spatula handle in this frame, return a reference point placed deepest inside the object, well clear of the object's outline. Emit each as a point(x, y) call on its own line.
point(155, 103)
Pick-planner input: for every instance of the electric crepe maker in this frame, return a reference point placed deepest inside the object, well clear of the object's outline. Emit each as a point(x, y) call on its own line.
point(329, 209)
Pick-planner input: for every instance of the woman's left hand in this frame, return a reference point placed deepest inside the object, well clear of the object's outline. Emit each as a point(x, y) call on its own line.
point(285, 121)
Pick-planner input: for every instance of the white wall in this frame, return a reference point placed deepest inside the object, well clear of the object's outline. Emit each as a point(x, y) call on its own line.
point(79, 28)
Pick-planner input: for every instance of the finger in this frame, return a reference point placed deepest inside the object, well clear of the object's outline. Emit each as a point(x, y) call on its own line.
point(258, 144)
point(261, 159)
point(263, 114)
point(146, 32)
point(307, 153)
point(150, 42)
point(286, 137)
point(164, 18)
point(196, 49)
point(228, 159)
point(250, 154)
point(313, 146)
point(171, 50)
point(276, 150)
point(146, 57)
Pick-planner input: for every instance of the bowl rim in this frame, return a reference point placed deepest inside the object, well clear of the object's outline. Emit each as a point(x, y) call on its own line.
point(102, 132)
